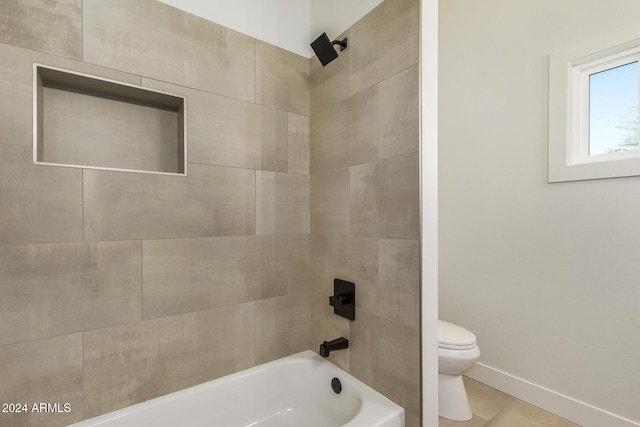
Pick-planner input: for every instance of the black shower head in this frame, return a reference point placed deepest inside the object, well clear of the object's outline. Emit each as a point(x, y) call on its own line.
point(324, 50)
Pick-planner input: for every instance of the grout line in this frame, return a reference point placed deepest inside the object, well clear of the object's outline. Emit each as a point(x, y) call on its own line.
point(83, 379)
point(378, 118)
point(287, 157)
point(141, 280)
point(82, 31)
point(255, 334)
point(255, 73)
point(349, 202)
point(82, 204)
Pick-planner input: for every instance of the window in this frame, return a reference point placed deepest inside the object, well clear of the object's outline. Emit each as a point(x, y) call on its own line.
point(593, 114)
point(613, 110)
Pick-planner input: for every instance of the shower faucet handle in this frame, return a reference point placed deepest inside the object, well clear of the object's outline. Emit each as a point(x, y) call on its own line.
point(343, 300)
point(340, 300)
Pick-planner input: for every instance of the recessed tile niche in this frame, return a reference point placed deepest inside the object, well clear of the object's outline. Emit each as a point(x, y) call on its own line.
point(90, 122)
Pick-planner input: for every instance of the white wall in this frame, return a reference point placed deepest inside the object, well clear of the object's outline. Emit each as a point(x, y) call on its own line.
point(289, 24)
point(546, 275)
point(284, 23)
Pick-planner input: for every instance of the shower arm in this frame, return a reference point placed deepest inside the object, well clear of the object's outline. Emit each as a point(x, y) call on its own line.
point(342, 43)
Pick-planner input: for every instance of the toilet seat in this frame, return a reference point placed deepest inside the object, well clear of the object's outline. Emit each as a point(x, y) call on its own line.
point(454, 337)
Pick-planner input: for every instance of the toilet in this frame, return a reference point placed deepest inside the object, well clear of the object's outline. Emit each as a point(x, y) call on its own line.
point(457, 353)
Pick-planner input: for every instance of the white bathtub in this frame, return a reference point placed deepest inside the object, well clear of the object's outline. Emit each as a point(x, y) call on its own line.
point(292, 391)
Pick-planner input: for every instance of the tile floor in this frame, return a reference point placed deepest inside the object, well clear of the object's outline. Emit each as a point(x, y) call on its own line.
point(493, 408)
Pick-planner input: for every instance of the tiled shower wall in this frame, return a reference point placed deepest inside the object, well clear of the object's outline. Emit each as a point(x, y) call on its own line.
point(365, 203)
point(118, 287)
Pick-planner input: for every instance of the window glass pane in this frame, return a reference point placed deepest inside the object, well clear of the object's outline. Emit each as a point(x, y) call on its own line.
point(613, 110)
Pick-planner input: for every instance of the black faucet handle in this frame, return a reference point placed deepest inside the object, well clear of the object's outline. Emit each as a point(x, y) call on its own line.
point(340, 300)
point(343, 300)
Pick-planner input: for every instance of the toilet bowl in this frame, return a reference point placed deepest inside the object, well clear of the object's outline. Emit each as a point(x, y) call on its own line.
point(457, 353)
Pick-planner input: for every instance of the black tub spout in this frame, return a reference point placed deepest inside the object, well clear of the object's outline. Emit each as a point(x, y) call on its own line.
point(328, 346)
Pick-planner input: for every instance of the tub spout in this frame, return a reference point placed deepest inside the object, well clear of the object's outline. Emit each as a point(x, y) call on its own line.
point(337, 344)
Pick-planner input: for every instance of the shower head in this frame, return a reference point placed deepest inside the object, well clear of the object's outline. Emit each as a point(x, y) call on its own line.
point(324, 50)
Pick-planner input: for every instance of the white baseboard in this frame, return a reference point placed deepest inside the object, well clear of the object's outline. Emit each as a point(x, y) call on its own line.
point(567, 407)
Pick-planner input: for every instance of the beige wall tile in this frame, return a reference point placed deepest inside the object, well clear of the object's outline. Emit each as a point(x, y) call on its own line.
point(365, 199)
point(185, 275)
point(56, 289)
point(282, 203)
point(282, 326)
point(210, 201)
point(326, 326)
point(330, 202)
point(16, 87)
point(38, 203)
point(330, 84)
point(274, 138)
point(226, 132)
point(282, 79)
point(386, 355)
point(398, 291)
point(298, 266)
point(399, 115)
point(47, 370)
point(154, 40)
point(131, 363)
point(274, 257)
point(354, 259)
point(411, 420)
point(346, 134)
point(384, 198)
point(47, 26)
point(399, 210)
point(384, 42)
point(298, 143)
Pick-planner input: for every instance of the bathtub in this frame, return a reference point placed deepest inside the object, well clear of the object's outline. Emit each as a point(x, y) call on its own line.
point(292, 391)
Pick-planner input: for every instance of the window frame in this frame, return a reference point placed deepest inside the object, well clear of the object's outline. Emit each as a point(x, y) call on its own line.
point(568, 139)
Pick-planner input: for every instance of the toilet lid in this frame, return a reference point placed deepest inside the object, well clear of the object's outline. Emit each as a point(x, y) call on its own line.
point(454, 337)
